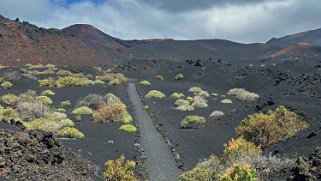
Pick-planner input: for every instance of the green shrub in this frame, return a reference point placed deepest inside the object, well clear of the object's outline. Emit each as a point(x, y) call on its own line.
point(49, 82)
point(69, 132)
point(243, 94)
point(97, 82)
point(203, 94)
point(159, 77)
point(144, 82)
point(216, 114)
point(127, 118)
point(193, 120)
point(6, 85)
point(82, 110)
point(183, 105)
point(179, 76)
point(236, 149)
point(128, 128)
point(214, 94)
point(113, 78)
point(119, 171)
point(177, 95)
point(45, 100)
point(71, 81)
point(9, 99)
point(195, 90)
point(239, 173)
point(204, 171)
point(48, 124)
point(47, 93)
point(8, 114)
point(155, 94)
point(267, 129)
point(226, 101)
point(199, 101)
point(64, 73)
point(111, 113)
point(190, 99)
point(62, 110)
point(65, 103)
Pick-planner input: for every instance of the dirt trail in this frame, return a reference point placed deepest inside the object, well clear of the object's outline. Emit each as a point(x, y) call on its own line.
point(160, 161)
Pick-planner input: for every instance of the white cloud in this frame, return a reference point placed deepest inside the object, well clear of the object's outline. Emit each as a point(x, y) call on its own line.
point(129, 19)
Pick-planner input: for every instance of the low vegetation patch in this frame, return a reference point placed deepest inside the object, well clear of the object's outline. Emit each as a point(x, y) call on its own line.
point(110, 113)
point(8, 114)
point(183, 105)
point(45, 100)
point(113, 78)
point(48, 93)
point(128, 128)
point(226, 101)
point(243, 94)
point(70, 132)
point(82, 110)
point(144, 82)
point(195, 90)
point(216, 114)
point(69, 81)
point(192, 121)
point(159, 77)
point(155, 94)
point(120, 170)
point(199, 101)
point(9, 99)
point(272, 127)
point(177, 95)
point(239, 173)
point(179, 76)
point(65, 103)
point(6, 85)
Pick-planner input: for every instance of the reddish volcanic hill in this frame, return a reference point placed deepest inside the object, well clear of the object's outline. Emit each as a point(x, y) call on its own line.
point(21, 43)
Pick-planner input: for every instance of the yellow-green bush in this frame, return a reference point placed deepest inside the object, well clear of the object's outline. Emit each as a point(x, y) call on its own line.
point(226, 101)
point(128, 128)
point(113, 78)
point(159, 77)
point(82, 110)
point(8, 114)
point(64, 73)
point(6, 85)
point(155, 94)
point(71, 81)
point(62, 110)
point(177, 95)
point(49, 82)
point(110, 113)
point(239, 148)
point(199, 101)
point(65, 103)
point(239, 173)
point(193, 120)
point(9, 99)
point(183, 105)
point(267, 129)
point(98, 82)
point(243, 94)
point(48, 124)
point(144, 82)
point(179, 76)
point(195, 90)
point(118, 170)
point(69, 132)
point(45, 100)
point(47, 93)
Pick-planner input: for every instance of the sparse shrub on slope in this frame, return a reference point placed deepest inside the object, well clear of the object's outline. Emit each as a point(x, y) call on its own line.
point(204, 171)
point(226, 101)
point(65, 103)
point(155, 94)
point(128, 128)
point(82, 110)
point(92, 101)
point(179, 76)
point(267, 129)
point(99, 82)
point(195, 90)
point(177, 95)
point(216, 114)
point(69, 132)
point(45, 100)
point(199, 101)
point(8, 114)
point(144, 82)
point(236, 149)
point(159, 77)
point(49, 82)
point(110, 113)
point(239, 173)
point(183, 105)
point(118, 170)
point(47, 93)
point(203, 94)
point(71, 81)
point(6, 85)
point(113, 78)
point(9, 99)
point(243, 94)
point(193, 120)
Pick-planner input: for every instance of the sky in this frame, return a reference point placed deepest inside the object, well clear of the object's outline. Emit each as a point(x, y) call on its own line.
point(244, 21)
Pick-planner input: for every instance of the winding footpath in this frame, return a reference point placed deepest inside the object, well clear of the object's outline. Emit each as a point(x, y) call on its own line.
point(160, 162)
